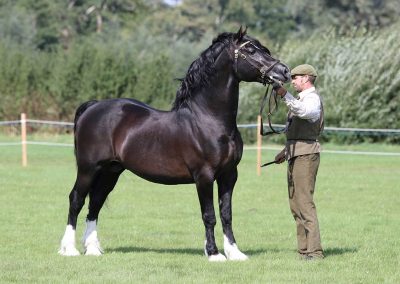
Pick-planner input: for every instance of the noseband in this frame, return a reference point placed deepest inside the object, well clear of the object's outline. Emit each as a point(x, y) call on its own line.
point(264, 70)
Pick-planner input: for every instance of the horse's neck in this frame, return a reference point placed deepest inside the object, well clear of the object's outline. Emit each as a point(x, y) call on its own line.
point(219, 99)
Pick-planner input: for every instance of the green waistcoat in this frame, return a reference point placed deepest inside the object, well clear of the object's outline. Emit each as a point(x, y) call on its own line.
point(302, 135)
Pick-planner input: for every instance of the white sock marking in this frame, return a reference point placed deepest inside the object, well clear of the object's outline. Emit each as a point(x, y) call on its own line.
point(90, 240)
point(68, 242)
point(214, 258)
point(232, 252)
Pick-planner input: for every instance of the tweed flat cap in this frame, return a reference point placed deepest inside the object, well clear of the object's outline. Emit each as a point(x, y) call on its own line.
point(304, 69)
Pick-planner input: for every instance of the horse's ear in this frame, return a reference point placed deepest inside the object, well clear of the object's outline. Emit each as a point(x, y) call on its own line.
point(240, 34)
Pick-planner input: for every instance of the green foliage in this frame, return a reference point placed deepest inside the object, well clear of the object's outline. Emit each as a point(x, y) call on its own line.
point(359, 78)
point(193, 19)
point(135, 48)
point(53, 85)
point(342, 15)
point(47, 24)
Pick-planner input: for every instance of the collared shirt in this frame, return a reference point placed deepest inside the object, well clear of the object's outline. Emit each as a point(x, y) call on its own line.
point(308, 106)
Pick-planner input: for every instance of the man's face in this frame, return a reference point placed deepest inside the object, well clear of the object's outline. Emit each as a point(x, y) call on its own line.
point(298, 82)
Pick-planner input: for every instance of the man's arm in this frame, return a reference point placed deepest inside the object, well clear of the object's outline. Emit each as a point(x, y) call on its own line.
point(308, 108)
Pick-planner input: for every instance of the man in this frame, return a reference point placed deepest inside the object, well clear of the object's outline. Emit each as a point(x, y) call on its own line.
point(304, 125)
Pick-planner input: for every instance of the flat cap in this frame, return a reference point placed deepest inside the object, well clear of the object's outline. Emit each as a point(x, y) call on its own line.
point(304, 69)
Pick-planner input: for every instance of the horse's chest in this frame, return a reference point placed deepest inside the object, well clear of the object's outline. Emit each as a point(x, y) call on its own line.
point(230, 148)
point(224, 140)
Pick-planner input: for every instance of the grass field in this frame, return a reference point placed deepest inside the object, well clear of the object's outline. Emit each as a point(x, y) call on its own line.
point(154, 234)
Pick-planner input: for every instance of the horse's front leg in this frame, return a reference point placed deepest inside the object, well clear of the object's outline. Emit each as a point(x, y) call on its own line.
point(226, 183)
point(205, 193)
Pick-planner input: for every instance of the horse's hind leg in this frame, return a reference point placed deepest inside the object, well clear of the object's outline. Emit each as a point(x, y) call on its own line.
point(226, 183)
point(102, 186)
point(76, 202)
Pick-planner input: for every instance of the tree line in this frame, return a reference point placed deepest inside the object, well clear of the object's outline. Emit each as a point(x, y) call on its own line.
point(56, 54)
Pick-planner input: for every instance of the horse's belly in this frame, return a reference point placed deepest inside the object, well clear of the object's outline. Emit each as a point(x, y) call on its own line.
point(158, 167)
point(163, 177)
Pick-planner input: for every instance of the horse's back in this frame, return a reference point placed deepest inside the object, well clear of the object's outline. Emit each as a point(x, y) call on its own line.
point(98, 124)
point(112, 112)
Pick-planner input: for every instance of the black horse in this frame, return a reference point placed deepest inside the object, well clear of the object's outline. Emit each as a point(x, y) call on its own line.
point(196, 142)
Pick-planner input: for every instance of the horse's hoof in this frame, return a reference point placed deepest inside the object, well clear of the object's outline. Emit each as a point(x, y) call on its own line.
point(68, 251)
point(232, 252)
point(237, 256)
point(93, 249)
point(216, 258)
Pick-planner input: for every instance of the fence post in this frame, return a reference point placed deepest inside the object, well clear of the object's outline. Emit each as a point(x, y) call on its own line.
point(23, 140)
point(259, 144)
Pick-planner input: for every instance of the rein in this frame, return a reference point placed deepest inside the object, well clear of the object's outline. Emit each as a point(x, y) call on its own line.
point(272, 131)
point(272, 96)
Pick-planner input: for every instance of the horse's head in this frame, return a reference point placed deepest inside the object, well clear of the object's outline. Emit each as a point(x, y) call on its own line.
point(253, 61)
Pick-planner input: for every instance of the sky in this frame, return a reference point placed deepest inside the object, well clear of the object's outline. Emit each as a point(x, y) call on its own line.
point(173, 2)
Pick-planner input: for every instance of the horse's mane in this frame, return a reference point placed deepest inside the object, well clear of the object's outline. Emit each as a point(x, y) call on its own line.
point(201, 70)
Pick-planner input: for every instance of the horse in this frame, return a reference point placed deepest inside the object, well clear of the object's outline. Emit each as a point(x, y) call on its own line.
point(197, 141)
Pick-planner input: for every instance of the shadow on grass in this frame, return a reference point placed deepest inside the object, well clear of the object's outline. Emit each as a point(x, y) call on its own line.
point(339, 251)
point(141, 249)
point(251, 252)
point(130, 249)
point(191, 251)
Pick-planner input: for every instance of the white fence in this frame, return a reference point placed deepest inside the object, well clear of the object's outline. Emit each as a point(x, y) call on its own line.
point(24, 142)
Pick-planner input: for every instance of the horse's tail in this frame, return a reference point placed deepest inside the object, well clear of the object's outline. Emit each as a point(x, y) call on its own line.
point(79, 111)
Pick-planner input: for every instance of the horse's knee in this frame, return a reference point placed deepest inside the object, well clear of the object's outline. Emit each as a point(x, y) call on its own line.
point(209, 219)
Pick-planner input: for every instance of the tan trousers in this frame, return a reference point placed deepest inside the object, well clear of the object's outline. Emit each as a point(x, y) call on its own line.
point(302, 172)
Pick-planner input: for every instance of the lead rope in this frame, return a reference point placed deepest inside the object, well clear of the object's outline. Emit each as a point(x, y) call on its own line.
point(273, 131)
point(273, 95)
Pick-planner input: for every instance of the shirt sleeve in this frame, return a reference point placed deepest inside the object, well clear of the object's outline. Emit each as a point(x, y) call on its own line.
point(307, 108)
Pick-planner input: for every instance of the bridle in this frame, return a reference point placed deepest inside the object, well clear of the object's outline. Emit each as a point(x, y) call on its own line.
point(264, 70)
point(267, 80)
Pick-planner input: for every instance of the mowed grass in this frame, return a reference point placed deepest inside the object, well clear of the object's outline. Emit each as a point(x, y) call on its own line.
point(154, 234)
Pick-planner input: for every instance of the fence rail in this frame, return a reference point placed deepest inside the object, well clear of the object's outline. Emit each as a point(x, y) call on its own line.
point(333, 129)
point(49, 122)
point(24, 142)
point(246, 125)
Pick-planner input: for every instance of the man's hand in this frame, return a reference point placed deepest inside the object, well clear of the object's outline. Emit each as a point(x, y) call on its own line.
point(276, 84)
point(279, 89)
point(280, 157)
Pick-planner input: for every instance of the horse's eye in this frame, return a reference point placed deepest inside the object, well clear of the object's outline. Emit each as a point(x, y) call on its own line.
point(251, 50)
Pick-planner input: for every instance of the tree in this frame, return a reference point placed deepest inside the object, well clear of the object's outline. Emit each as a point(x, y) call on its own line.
point(343, 15)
